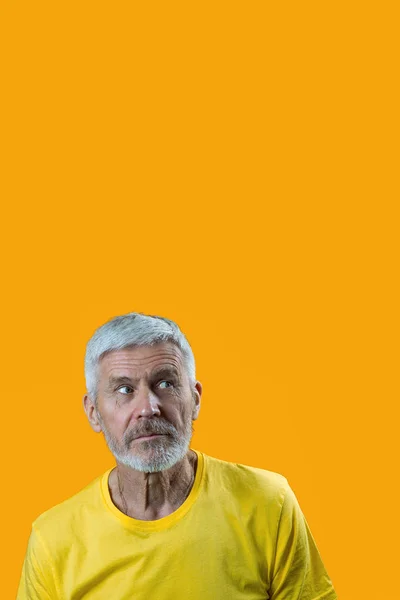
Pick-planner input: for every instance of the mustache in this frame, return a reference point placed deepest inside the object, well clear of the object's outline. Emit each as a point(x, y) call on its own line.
point(161, 427)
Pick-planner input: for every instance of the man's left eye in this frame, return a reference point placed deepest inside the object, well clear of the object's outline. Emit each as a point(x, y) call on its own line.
point(167, 382)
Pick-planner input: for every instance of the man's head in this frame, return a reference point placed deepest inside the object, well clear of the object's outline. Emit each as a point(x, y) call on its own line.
point(140, 378)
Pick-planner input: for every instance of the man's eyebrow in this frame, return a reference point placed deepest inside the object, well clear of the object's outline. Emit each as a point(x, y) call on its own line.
point(118, 379)
point(165, 370)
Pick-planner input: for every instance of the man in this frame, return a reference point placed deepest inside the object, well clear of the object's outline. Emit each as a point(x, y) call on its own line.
point(168, 522)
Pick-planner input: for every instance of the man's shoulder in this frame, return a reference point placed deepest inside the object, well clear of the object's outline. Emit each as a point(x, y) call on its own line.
point(253, 480)
point(70, 513)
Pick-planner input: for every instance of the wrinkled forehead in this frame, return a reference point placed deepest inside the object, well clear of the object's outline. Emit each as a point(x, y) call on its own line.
point(138, 361)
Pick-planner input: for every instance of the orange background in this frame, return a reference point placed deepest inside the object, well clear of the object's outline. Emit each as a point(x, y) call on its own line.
point(230, 166)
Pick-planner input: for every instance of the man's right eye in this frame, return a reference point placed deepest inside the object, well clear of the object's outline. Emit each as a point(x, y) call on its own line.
point(125, 387)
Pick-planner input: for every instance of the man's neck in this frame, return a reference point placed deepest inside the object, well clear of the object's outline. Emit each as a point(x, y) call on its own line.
point(151, 496)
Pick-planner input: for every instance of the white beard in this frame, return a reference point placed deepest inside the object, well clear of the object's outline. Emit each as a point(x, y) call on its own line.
point(160, 453)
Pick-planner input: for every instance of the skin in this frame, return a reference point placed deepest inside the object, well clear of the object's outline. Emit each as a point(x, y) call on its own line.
point(146, 399)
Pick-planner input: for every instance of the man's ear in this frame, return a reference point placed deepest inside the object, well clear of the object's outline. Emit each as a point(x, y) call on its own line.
point(198, 389)
point(91, 413)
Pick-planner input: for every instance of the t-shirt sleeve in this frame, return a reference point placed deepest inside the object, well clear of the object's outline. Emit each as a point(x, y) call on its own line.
point(37, 579)
point(298, 573)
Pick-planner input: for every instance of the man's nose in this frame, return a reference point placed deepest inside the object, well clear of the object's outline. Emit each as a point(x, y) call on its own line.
point(146, 403)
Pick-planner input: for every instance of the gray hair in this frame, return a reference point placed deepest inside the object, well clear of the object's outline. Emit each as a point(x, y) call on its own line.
point(133, 329)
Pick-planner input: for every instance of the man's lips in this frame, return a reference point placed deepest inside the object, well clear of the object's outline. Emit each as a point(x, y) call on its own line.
point(147, 437)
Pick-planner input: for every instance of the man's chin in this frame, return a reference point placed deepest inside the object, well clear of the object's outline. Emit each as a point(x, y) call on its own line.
point(145, 466)
point(152, 459)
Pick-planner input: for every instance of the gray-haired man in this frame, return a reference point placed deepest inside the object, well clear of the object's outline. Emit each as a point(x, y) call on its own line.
point(167, 522)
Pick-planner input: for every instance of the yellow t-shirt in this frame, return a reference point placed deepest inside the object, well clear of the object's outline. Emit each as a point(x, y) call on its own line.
point(239, 535)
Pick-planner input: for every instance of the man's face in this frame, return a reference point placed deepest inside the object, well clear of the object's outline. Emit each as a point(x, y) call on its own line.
point(145, 391)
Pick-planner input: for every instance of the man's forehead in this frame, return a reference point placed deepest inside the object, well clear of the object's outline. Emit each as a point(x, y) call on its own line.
point(142, 358)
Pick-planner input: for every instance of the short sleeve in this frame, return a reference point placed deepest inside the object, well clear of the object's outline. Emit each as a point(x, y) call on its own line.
point(298, 571)
point(37, 579)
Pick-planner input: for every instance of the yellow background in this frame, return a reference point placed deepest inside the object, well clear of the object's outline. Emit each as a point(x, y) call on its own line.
point(232, 166)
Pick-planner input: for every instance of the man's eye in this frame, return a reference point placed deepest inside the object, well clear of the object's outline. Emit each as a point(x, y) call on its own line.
point(167, 386)
point(125, 387)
